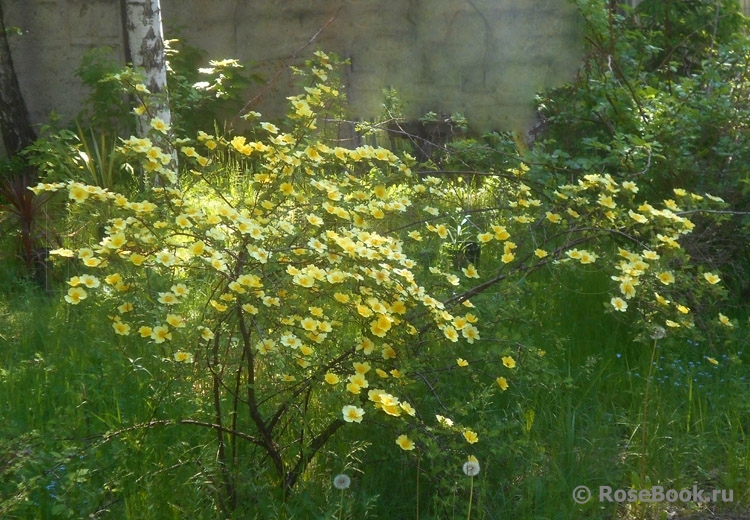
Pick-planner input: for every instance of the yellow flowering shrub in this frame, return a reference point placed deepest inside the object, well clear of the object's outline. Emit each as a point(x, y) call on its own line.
point(282, 265)
point(284, 278)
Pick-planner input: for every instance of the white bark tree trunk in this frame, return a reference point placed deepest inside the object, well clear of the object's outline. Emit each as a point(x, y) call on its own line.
point(145, 41)
point(145, 46)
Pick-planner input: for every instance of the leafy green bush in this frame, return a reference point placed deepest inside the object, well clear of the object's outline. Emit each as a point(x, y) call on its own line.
point(662, 99)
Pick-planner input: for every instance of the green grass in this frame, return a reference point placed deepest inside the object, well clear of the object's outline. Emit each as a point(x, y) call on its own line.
point(65, 382)
point(574, 416)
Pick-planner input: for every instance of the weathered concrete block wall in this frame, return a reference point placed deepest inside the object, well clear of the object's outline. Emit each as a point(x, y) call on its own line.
point(56, 34)
point(483, 58)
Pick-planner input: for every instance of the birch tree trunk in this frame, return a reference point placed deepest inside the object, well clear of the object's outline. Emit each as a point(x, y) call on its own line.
point(16, 128)
point(145, 47)
point(145, 43)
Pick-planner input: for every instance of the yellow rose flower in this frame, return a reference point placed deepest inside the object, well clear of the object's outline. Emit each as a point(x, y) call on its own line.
point(352, 413)
point(471, 437)
point(405, 443)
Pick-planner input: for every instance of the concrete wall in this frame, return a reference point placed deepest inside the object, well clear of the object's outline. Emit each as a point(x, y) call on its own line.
point(56, 34)
point(483, 58)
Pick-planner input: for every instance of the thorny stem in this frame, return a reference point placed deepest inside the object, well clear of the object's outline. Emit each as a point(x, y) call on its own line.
point(172, 422)
point(281, 69)
point(304, 459)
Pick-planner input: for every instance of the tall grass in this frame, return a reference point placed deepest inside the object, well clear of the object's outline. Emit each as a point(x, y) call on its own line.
point(72, 396)
point(68, 384)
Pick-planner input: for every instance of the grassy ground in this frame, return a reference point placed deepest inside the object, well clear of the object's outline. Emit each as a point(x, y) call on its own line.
point(591, 409)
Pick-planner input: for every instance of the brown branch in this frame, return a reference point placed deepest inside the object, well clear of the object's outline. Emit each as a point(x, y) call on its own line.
point(617, 71)
point(285, 405)
point(252, 404)
point(307, 455)
point(284, 66)
point(713, 212)
point(172, 422)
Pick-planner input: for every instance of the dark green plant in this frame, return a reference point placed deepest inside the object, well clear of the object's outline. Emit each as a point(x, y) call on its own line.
point(17, 484)
point(22, 217)
point(106, 108)
point(685, 31)
point(84, 155)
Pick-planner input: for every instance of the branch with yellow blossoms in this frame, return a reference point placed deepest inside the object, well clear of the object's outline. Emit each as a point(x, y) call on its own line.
point(641, 240)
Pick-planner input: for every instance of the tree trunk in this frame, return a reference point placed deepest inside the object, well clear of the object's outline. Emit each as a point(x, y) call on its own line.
point(14, 117)
point(145, 46)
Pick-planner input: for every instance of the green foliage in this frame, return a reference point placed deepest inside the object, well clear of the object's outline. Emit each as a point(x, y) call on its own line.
point(281, 310)
point(682, 33)
point(201, 97)
point(106, 109)
point(62, 155)
point(662, 98)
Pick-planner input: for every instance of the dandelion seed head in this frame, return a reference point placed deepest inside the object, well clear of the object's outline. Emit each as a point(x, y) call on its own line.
point(341, 481)
point(471, 467)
